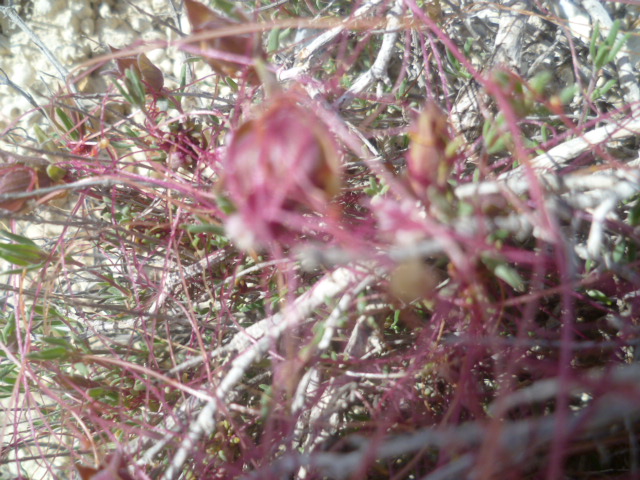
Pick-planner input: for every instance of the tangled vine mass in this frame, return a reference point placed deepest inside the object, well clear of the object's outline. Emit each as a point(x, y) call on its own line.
point(379, 239)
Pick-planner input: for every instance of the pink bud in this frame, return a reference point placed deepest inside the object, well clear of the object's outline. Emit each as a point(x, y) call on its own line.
point(427, 163)
point(280, 166)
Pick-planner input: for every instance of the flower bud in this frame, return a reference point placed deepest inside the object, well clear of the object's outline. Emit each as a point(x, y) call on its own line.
point(427, 162)
point(280, 165)
point(414, 280)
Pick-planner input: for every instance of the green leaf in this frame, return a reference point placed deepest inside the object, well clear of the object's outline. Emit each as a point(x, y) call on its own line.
point(194, 59)
point(544, 133)
point(69, 126)
point(273, 41)
point(55, 173)
point(6, 391)
point(17, 238)
point(618, 46)
point(375, 187)
point(467, 46)
point(7, 374)
point(510, 276)
point(8, 330)
point(599, 296)
point(225, 6)
point(540, 81)
point(104, 395)
point(502, 78)
point(137, 90)
point(602, 91)
point(82, 369)
point(40, 135)
point(499, 234)
point(62, 342)
point(465, 209)
point(486, 127)
point(613, 33)
point(131, 133)
point(505, 272)
point(634, 214)
point(231, 83)
point(120, 145)
point(123, 92)
point(604, 51)
point(495, 141)
point(567, 94)
point(204, 228)
point(395, 324)
point(183, 76)
point(225, 204)
point(52, 353)
point(601, 57)
point(455, 67)
point(619, 251)
point(22, 255)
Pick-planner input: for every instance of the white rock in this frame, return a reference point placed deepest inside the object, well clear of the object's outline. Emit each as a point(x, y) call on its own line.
point(104, 10)
point(5, 45)
point(140, 24)
point(45, 7)
point(73, 30)
point(87, 26)
point(22, 74)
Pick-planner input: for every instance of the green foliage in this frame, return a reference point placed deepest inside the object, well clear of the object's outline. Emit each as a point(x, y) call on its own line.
point(455, 68)
point(69, 125)
point(605, 51)
point(505, 272)
point(51, 353)
point(496, 138)
point(135, 88)
point(23, 252)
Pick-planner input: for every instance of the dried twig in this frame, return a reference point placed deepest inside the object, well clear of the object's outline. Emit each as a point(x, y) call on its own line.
point(310, 51)
point(378, 71)
point(508, 42)
point(253, 343)
point(560, 155)
point(516, 439)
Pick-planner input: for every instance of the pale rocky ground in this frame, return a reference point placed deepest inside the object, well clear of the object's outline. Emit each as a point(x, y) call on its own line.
point(74, 31)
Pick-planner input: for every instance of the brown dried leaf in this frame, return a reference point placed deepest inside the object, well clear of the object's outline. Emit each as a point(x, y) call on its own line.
point(16, 179)
point(146, 70)
point(149, 73)
point(203, 19)
point(124, 63)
